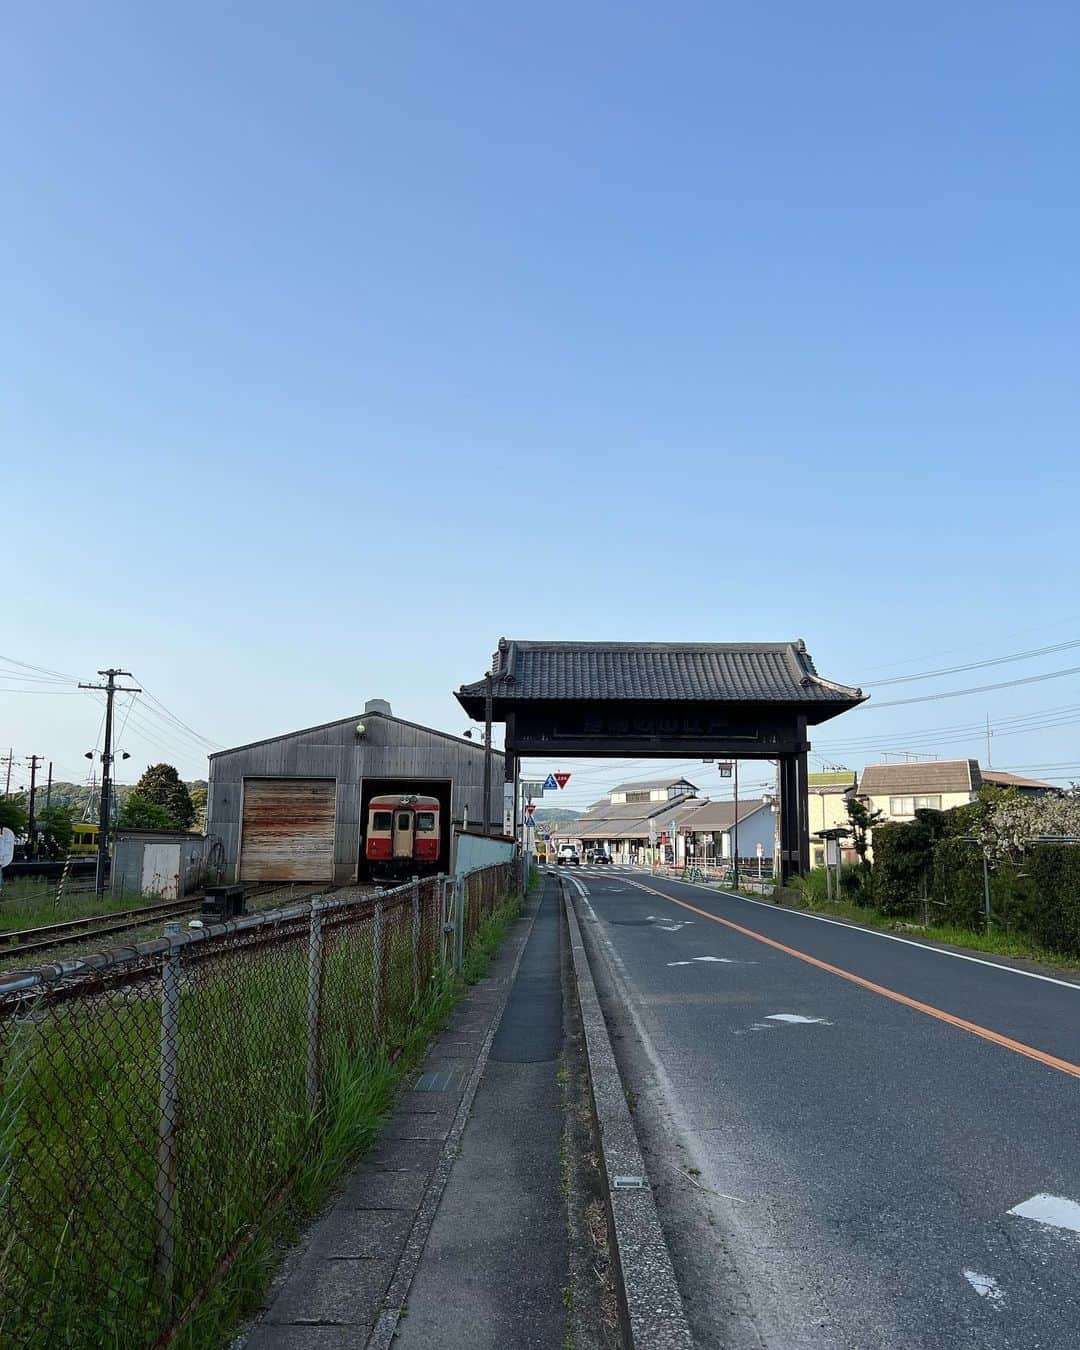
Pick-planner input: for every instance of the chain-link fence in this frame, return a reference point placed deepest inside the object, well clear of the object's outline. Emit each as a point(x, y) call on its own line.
point(160, 1101)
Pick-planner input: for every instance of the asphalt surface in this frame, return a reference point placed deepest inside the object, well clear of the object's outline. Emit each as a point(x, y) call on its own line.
point(844, 1179)
point(495, 1264)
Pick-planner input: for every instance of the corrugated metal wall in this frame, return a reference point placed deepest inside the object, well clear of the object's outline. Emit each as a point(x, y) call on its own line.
point(389, 748)
point(475, 850)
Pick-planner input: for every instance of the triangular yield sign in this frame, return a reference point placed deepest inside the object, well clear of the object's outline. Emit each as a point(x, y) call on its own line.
point(561, 778)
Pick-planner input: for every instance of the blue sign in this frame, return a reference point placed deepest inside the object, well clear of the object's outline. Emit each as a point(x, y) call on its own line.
point(550, 784)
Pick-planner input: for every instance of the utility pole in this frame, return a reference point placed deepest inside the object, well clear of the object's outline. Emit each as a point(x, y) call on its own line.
point(10, 759)
point(48, 789)
point(735, 834)
point(33, 761)
point(110, 688)
point(487, 752)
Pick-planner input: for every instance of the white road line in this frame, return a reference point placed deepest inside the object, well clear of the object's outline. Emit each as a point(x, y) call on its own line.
point(872, 932)
point(986, 1287)
point(795, 1017)
point(1054, 1211)
point(720, 960)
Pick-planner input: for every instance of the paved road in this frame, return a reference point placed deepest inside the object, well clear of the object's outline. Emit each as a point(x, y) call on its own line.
point(840, 1124)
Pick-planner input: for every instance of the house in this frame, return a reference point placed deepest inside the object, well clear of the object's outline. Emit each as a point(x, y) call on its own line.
point(707, 833)
point(899, 790)
point(828, 795)
point(632, 818)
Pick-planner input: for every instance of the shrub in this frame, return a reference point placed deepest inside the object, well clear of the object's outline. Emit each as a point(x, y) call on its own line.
point(902, 858)
point(1055, 871)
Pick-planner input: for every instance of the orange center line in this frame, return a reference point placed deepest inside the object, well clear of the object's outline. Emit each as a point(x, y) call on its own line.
point(1018, 1047)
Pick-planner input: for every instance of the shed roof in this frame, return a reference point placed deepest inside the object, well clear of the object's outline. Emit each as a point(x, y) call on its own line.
point(719, 815)
point(643, 783)
point(356, 717)
point(714, 672)
point(924, 776)
point(999, 778)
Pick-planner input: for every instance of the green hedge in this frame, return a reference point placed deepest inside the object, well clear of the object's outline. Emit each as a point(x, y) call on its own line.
point(902, 859)
point(1055, 871)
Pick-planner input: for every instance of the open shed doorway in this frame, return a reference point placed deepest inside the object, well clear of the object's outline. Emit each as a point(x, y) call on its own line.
point(439, 788)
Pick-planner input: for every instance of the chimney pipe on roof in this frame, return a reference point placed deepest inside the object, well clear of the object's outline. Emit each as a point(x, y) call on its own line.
point(378, 705)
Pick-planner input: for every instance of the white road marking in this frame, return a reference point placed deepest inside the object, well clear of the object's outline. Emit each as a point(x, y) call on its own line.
point(1055, 1211)
point(720, 960)
point(986, 1287)
point(872, 932)
point(796, 1017)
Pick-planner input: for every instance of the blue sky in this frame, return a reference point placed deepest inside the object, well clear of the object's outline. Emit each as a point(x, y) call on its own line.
point(338, 340)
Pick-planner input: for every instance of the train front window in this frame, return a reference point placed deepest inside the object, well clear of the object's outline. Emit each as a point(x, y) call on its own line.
point(404, 821)
point(382, 820)
point(425, 821)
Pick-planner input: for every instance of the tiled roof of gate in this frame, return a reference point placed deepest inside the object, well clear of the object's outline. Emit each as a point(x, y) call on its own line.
point(755, 672)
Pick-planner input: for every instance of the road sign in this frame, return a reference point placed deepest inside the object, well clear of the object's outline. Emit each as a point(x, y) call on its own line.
point(760, 849)
point(562, 779)
point(532, 788)
point(530, 809)
point(530, 824)
point(725, 770)
point(7, 846)
point(652, 831)
point(550, 784)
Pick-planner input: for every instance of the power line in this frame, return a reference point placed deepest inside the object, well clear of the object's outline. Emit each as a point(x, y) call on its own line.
point(976, 689)
point(978, 665)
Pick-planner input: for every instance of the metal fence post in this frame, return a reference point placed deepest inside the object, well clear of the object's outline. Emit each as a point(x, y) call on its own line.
point(314, 1001)
point(416, 940)
point(459, 929)
point(377, 974)
point(168, 1081)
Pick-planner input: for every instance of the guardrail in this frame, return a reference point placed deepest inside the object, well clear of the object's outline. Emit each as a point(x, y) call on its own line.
point(161, 1100)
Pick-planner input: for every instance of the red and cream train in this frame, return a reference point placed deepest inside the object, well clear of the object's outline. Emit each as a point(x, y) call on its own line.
point(404, 836)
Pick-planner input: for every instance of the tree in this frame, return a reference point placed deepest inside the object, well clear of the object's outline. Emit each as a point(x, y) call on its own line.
point(198, 801)
point(161, 785)
point(54, 830)
point(862, 818)
point(13, 815)
point(139, 813)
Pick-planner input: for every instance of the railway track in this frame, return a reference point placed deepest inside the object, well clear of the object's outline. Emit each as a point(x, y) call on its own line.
point(19, 942)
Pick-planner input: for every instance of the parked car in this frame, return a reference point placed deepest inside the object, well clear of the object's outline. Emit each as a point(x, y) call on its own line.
point(598, 855)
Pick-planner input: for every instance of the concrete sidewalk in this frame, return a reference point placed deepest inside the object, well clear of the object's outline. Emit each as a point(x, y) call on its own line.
point(457, 1217)
point(342, 1285)
point(495, 1266)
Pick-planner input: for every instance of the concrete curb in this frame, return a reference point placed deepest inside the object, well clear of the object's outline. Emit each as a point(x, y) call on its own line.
point(382, 1334)
point(651, 1303)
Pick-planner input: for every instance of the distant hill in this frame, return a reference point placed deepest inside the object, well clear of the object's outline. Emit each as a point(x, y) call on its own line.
point(552, 815)
point(75, 797)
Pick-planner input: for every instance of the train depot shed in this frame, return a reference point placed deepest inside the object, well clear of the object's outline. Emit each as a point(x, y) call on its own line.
point(292, 808)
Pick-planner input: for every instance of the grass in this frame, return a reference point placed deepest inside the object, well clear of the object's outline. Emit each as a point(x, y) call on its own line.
point(78, 1142)
point(30, 902)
